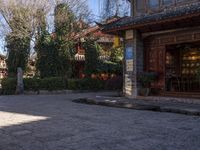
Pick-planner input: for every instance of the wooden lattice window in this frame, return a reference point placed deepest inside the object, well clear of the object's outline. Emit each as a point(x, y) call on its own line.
point(154, 4)
point(149, 6)
point(167, 2)
point(140, 4)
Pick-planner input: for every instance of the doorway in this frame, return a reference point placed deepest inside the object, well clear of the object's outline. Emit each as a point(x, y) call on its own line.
point(182, 68)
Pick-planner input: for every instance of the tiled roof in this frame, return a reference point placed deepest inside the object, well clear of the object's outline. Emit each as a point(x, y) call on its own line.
point(95, 30)
point(149, 18)
point(2, 56)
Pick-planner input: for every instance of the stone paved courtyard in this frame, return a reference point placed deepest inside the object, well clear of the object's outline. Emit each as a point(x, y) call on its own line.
point(55, 123)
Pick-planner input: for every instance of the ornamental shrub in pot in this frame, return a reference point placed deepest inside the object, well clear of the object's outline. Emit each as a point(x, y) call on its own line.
point(145, 79)
point(198, 74)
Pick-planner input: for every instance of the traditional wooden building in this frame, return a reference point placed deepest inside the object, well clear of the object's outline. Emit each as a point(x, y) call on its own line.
point(161, 36)
point(106, 41)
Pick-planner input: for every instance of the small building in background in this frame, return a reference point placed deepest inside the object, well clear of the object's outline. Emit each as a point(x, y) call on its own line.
point(106, 41)
point(3, 67)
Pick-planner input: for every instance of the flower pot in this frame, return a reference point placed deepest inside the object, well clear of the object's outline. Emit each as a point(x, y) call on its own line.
point(144, 91)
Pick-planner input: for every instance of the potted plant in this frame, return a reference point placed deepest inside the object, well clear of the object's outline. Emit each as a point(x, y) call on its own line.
point(198, 74)
point(145, 79)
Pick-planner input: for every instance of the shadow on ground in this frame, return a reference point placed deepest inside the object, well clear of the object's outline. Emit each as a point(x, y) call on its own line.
point(56, 123)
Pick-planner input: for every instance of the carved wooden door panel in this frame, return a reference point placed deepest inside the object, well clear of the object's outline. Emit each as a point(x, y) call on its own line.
point(153, 57)
point(161, 67)
point(161, 60)
point(156, 63)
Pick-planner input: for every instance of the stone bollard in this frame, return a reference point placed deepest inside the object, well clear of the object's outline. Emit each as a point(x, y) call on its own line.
point(20, 84)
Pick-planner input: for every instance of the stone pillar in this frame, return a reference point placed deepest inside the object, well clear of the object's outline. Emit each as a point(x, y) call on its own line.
point(133, 63)
point(20, 84)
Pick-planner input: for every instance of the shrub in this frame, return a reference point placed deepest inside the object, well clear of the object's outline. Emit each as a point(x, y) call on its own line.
point(110, 67)
point(73, 84)
point(92, 84)
point(115, 83)
point(52, 83)
point(146, 78)
point(198, 74)
point(9, 86)
point(31, 84)
point(34, 84)
point(85, 84)
point(59, 83)
point(91, 56)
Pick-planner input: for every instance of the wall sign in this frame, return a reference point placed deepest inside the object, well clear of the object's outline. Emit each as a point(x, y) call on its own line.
point(128, 84)
point(129, 53)
point(129, 35)
point(129, 59)
point(129, 65)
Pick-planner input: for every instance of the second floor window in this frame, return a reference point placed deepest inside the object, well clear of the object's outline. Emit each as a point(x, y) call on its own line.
point(140, 5)
point(146, 6)
point(154, 3)
point(167, 2)
point(181, 1)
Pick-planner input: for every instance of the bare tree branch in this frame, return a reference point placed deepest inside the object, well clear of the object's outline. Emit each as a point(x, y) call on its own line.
point(19, 16)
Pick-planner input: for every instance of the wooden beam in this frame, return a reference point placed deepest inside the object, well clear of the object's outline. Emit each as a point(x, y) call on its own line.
point(144, 35)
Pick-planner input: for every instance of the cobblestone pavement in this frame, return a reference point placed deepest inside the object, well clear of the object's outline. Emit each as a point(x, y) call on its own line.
point(55, 123)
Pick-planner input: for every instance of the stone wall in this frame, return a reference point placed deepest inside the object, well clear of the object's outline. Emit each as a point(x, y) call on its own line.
point(133, 65)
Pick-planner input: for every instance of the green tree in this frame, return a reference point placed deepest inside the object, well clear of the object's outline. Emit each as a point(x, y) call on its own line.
point(18, 52)
point(47, 56)
point(55, 50)
point(47, 63)
point(91, 57)
point(65, 28)
point(116, 54)
point(64, 20)
point(18, 47)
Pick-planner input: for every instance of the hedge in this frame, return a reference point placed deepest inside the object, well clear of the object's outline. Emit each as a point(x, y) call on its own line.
point(8, 86)
point(115, 83)
point(34, 84)
point(53, 84)
point(31, 84)
point(59, 83)
point(85, 84)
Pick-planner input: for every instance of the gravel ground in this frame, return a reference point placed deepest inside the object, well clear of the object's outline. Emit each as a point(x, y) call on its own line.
point(54, 122)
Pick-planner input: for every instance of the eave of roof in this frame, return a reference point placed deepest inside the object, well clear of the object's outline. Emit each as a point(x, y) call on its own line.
point(148, 19)
point(95, 29)
point(2, 56)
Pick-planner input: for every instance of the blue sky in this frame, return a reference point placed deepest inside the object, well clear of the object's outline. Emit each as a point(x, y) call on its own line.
point(94, 6)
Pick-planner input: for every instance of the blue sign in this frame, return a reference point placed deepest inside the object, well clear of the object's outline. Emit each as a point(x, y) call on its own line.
point(129, 53)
